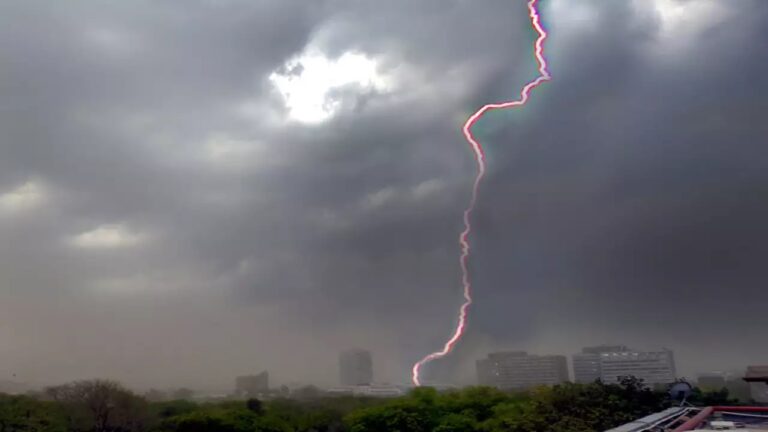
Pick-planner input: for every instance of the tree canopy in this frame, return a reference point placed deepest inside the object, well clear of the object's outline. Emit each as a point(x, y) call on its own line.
point(106, 406)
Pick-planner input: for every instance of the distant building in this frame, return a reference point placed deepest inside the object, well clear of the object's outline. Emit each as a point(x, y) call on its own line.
point(519, 370)
point(599, 349)
point(711, 381)
point(757, 377)
point(154, 395)
point(252, 385)
point(379, 390)
point(653, 367)
point(355, 368)
point(13, 388)
point(373, 390)
point(738, 389)
point(182, 394)
point(586, 365)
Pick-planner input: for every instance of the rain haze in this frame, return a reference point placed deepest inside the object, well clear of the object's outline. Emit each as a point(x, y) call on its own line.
point(194, 190)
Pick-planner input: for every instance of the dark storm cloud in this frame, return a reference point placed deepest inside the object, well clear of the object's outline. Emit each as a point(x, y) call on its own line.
point(629, 207)
point(623, 203)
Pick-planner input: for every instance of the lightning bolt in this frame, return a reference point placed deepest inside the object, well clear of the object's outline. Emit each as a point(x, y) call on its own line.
point(477, 148)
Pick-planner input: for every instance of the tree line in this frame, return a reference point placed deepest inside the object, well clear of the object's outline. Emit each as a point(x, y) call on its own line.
point(107, 406)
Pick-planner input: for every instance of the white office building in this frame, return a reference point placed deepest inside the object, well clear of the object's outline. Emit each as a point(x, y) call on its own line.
point(653, 367)
point(586, 365)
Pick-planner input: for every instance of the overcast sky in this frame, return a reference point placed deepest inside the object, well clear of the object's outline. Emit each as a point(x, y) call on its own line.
point(192, 190)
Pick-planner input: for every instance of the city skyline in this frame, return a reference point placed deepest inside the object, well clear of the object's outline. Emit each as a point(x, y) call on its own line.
point(525, 372)
point(366, 369)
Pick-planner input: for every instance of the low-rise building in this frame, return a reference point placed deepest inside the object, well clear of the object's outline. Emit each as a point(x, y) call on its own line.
point(372, 390)
point(757, 377)
point(711, 381)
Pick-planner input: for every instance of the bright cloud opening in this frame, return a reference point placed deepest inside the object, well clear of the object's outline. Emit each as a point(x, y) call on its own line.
point(24, 197)
point(389, 195)
point(108, 237)
point(229, 152)
point(307, 82)
point(684, 19)
point(111, 43)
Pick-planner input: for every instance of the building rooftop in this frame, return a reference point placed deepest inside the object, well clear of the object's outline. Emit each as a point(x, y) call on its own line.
point(693, 419)
point(756, 374)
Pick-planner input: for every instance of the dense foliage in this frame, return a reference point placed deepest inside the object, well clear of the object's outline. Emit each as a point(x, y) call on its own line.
point(566, 408)
point(105, 406)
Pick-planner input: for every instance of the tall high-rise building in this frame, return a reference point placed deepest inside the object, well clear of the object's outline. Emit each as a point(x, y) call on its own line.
point(355, 367)
point(252, 385)
point(586, 365)
point(653, 367)
point(519, 370)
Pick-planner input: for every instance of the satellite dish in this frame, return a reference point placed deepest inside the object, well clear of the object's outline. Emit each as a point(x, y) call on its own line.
point(680, 391)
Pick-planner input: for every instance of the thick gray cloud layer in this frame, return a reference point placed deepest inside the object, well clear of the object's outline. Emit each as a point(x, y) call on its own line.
point(162, 223)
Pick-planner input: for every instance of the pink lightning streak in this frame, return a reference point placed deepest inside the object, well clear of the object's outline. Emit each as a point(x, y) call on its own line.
point(477, 148)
